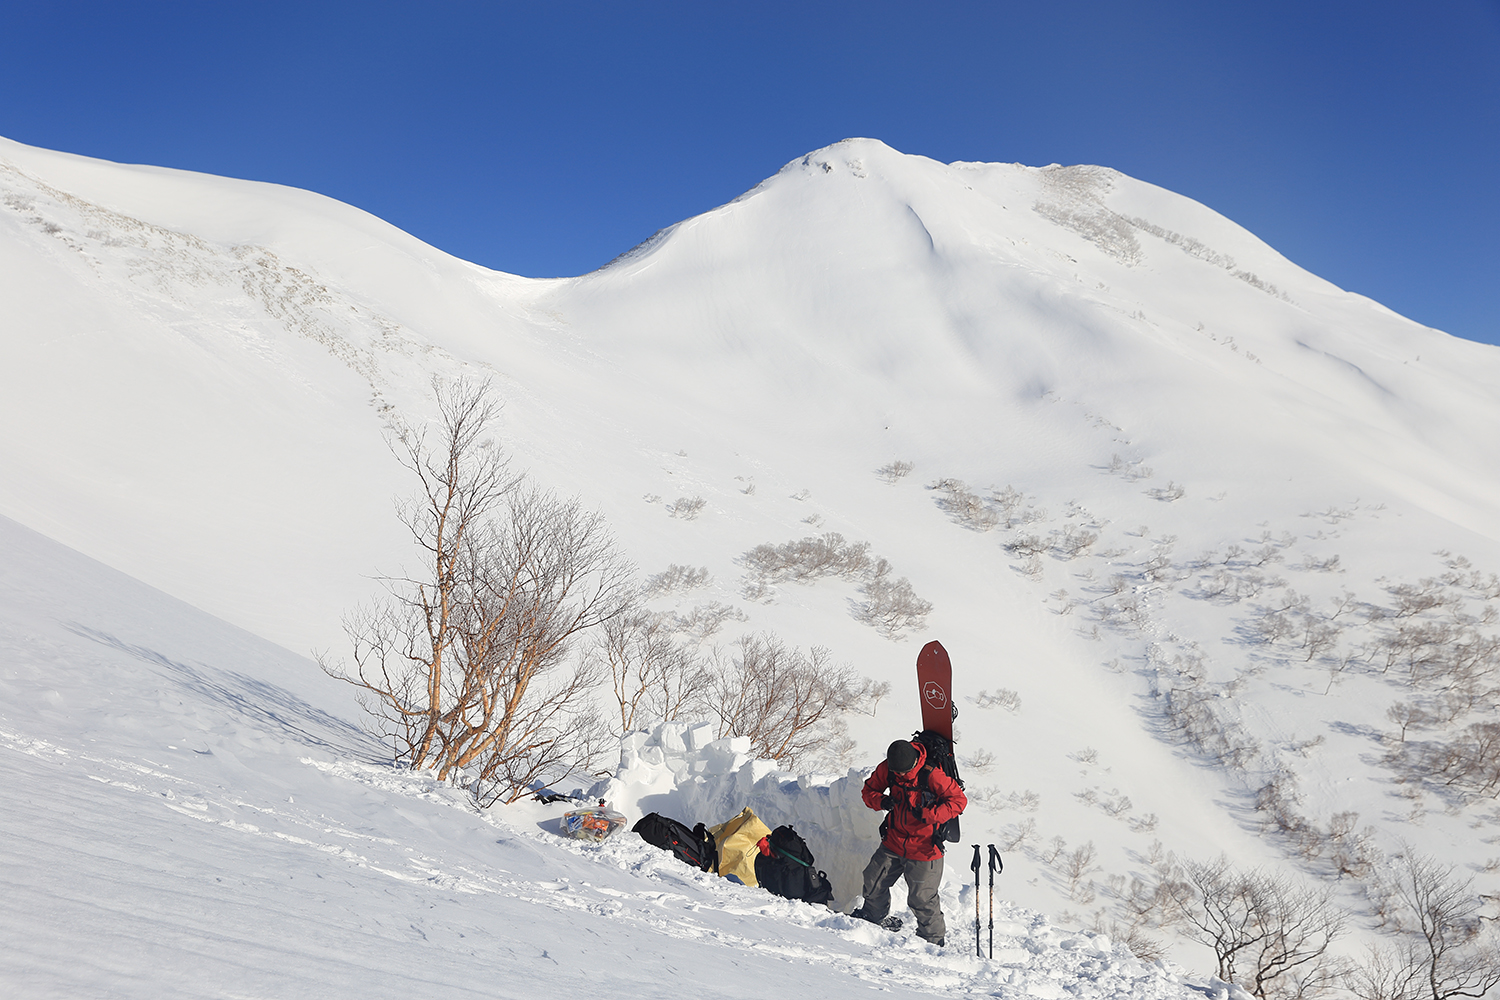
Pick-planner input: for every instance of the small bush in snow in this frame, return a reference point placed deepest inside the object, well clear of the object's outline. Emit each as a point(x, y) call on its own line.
point(895, 471)
point(966, 506)
point(1026, 546)
point(688, 508)
point(673, 578)
point(1130, 470)
point(893, 607)
point(1001, 698)
point(810, 559)
point(1075, 541)
point(705, 620)
point(1169, 493)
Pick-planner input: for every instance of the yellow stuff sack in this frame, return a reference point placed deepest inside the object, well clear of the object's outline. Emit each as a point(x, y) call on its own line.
point(738, 841)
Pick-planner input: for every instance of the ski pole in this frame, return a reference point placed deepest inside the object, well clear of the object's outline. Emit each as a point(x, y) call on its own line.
point(975, 865)
point(995, 865)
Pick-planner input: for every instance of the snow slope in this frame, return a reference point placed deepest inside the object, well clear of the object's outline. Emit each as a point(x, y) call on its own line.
point(198, 373)
point(182, 822)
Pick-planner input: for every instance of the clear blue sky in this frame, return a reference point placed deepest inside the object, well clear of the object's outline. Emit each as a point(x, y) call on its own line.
point(1361, 139)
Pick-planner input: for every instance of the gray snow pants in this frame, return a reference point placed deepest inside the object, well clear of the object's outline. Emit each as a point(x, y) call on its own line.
point(922, 881)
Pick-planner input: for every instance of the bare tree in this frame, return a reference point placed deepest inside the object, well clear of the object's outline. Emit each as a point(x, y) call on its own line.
point(791, 705)
point(1269, 935)
point(466, 666)
point(654, 677)
point(1444, 951)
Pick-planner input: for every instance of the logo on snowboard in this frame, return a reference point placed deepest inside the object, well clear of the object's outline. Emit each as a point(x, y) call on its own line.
point(934, 694)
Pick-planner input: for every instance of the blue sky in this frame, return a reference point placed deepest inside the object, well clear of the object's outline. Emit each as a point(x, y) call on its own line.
point(1361, 139)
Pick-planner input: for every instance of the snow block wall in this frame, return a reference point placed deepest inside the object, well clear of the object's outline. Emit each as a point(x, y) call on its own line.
point(679, 770)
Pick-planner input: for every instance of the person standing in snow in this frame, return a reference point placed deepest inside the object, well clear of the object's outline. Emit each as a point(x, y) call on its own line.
point(917, 800)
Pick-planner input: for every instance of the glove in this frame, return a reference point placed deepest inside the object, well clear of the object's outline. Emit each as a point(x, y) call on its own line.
point(886, 803)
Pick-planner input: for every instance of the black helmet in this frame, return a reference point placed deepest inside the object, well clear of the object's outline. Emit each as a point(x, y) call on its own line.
point(901, 756)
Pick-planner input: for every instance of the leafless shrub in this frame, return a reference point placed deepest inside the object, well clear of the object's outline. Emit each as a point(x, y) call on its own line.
point(1318, 637)
point(966, 506)
point(791, 705)
point(1126, 611)
point(674, 577)
point(1130, 470)
point(1002, 698)
point(1316, 565)
point(688, 508)
point(1411, 599)
point(1144, 824)
point(981, 761)
point(810, 559)
point(1269, 553)
point(1351, 853)
point(1009, 500)
point(1020, 833)
point(1269, 934)
point(1169, 493)
point(1026, 545)
point(893, 607)
point(1142, 945)
point(1272, 626)
point(1278, 799)
point(893, 472)
point(1027, 801)
point(1191, 713)
point(1075, 541)
point(1077, 865)
point(465, 667)
point(1158, 567)
point(1468, 761)
point(1119, 806)
point(705, 620)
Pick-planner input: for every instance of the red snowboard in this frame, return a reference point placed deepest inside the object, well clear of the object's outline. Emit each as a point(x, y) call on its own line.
point(935, 681)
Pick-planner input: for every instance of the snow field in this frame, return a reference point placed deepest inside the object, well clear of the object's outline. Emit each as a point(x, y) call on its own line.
point(209, 835)
point(198, 372)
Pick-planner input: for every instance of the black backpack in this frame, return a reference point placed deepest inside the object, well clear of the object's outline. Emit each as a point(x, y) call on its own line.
point(694, 847)
point(788, 870)
point(940, 755)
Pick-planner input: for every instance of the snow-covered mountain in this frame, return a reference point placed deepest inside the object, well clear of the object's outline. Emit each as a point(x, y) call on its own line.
point(1207, 449)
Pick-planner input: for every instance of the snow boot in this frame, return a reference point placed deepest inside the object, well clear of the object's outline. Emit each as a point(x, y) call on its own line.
point(892, 924)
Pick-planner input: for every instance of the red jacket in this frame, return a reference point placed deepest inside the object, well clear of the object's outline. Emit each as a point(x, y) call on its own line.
point(911, 827)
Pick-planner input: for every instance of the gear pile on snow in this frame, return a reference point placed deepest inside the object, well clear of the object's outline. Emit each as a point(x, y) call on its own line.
point(743, 849)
